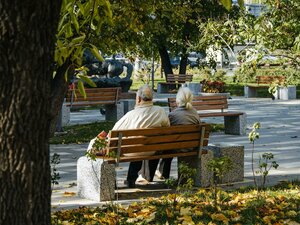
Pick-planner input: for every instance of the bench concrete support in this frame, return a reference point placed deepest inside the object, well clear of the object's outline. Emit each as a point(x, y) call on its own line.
point(203, 175)
point(65, 110)
point(235, 124)
point(236, 154)
point(111, 112)
point(283, 93)
point(125, 106)
point(163, 88)
point(95, 179)
point(286, 93)
point(250, 92)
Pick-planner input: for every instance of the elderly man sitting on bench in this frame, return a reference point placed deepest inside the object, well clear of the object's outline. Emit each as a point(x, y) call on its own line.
point(144, 115)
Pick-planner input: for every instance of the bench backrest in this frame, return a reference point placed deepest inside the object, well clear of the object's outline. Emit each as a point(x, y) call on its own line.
point(204, 103)
point(93, 96)
point(270, 79)
point(179, 78)
point(158, 139)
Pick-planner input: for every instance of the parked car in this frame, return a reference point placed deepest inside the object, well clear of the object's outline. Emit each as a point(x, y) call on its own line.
point(195, 58)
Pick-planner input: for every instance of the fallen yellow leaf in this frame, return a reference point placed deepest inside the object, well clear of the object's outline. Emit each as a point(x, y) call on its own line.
point(69, 194)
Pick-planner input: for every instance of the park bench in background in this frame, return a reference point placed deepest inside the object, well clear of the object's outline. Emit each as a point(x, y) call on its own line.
point(215, 106)
point(173, 82)
point(283, 92)
point(115, 102)
point(96, 179)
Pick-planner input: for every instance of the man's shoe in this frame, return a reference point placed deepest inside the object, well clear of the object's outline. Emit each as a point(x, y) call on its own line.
point(131, 184)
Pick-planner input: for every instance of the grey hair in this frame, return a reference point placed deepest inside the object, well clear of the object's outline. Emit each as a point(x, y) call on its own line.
point(184, 98)
point(145, 93)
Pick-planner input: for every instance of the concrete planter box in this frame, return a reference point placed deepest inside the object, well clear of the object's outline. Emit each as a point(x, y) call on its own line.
point(286, 93)
point(227, 94)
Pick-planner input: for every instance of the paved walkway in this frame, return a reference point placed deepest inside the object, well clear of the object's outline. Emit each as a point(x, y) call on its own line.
point(279, 134)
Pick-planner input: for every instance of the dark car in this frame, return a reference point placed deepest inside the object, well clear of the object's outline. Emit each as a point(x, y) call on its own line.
point(175, 61)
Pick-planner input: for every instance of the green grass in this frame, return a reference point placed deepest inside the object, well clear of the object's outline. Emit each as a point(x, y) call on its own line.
point(81, 133)
point(85, 132)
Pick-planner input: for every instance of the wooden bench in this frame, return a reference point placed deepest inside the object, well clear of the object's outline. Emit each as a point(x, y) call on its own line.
point(173, 82)
point(262, 82)
point(215, 106)
point(96, 179)
point(107, 97)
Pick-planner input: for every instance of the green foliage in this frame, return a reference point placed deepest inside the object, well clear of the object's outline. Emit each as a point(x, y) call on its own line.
point(219, 75)
point(264, 163)
point(219, 166)
point(245, 74)
point(273, 88)
point(55, 176)
point(265, 166)
point(185, 181)
point(79, 26)
point(278, 26)
point(253, 135)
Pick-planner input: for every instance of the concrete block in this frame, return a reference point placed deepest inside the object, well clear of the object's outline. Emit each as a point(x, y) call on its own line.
point(95, 179)
point(65, 115)
point(236, 154)
point(235, 124)
point(249, 92)
point(286, 93)
point(162, 88)
point(203, 175)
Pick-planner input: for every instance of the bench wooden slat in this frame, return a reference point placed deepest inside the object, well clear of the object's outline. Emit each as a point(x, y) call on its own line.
point(204, 103)
point(265, 81)
point(158, 131)
point(214, 106)
point(179, 78)
point(96, 90)
point(94, 99)
point(216, 114)
point(88, 103)
point(91, 94)
point(210, 107)
point(158, 147)
point(270, 79)
point(94, 96)
point(209, 98)
point(157, 139)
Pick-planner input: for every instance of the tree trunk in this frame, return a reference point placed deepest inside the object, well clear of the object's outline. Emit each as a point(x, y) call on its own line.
point(183, 64)
point(59, 87)
point(27, 38)
point(185, 39)
point(165, 60)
